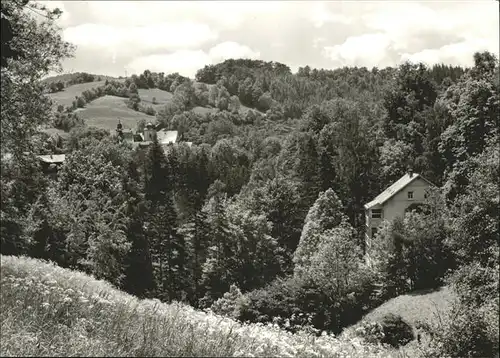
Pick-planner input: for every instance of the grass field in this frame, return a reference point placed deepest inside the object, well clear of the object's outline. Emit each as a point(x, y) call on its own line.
point(105, 112)
point(71, 76)
point(203, 110)
point(162, 97)
point(49, 311)
point(67, 96)
point(417, 306)
point(425, 306)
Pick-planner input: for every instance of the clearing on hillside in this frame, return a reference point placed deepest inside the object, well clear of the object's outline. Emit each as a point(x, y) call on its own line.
point(105, 112)
point(52, 131)
point(46, 310)
point(204, 110)
point(67, 96)
point(162, 97)
point(423, 306)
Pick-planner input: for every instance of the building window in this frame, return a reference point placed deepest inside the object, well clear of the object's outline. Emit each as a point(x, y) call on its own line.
point(374, 231)
point(376, 213)
point(410, 195)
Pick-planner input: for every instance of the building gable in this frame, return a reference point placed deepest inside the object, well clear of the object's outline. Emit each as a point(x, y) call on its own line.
point(395, 188)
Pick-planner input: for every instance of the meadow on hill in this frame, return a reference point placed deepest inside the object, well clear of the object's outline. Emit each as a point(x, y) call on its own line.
point(67, 96)
point(50, 311)
point(161, 97)
point(105, 112)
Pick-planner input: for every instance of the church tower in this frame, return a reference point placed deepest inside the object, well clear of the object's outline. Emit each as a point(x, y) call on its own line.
point(119, 129)
point(149, 132)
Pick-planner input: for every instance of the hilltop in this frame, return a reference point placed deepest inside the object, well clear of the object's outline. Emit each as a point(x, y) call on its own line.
point(73, 77)
point(157, 99)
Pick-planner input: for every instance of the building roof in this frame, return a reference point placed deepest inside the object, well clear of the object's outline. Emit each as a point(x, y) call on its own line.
point(52, 158)
point(394, 189)
point(165, 137)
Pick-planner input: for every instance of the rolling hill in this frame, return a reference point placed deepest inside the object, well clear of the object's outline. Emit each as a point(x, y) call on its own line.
point(71, 76)
point(105, 112)
point(67, 96)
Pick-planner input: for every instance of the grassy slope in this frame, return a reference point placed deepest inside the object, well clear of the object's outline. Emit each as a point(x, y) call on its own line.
point(417, 306)
point(67, 96)
point(46, 310)
point(162, 97)
point(101, 110)
point(70, 76)
point(104, 112)
point(424, 306)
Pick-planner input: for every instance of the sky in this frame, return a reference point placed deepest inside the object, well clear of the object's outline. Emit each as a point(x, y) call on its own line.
point(118, 38)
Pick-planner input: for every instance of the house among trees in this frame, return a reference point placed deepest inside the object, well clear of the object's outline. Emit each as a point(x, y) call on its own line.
point(124, 133)
point(144, 139)
point(51, 163)
point(408, 193)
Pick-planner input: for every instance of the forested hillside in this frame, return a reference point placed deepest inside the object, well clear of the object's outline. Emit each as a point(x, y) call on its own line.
point(262, 218)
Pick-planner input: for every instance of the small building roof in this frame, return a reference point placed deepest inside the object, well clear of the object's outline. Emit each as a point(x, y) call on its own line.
point(394, 189)
point(165, 137)
point(52, 158)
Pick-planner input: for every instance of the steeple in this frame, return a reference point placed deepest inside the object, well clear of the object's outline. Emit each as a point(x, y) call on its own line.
point(119, 129)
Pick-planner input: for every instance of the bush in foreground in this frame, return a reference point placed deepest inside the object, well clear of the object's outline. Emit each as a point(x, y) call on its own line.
point(397, 332)
point(390, 329)
point(46, 310)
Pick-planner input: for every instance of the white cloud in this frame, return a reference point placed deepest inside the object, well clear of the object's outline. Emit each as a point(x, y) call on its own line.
point(368, 33)
point(230, 49)
point(458, 54)
point(320, 15)
point(404, 22)
point(365, 50)
point(416, 32)
point(221, 14)
point(318, 41)
point(187, 62)
point(156, 36)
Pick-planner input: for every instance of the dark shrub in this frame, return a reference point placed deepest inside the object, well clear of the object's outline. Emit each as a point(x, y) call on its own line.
point(297, 302)
point(397, 332)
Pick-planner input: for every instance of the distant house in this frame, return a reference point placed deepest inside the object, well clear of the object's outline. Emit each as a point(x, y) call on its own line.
point(144, 140)
point(408, 192)
point(124, 134)
point(49, 159)
point(166, 137)
point(51, 163)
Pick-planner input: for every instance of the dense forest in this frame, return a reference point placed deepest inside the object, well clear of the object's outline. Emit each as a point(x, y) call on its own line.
point(262, 217)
